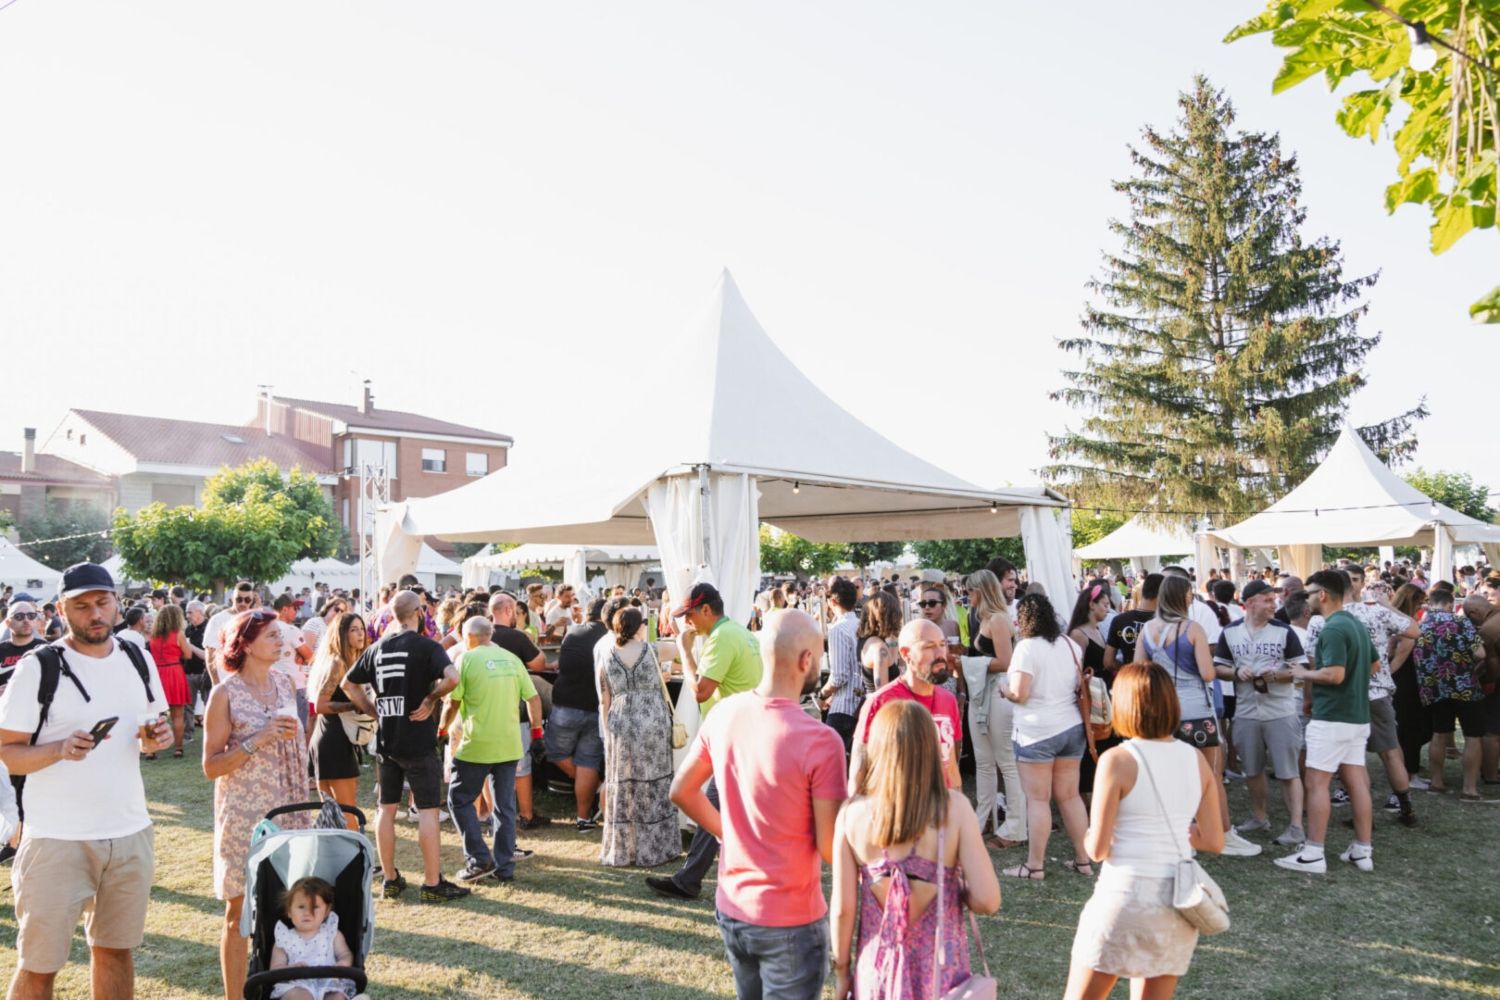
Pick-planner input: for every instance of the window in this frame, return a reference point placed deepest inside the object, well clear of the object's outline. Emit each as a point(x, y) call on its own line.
point(476, 463)
point(173, 494)
point(434, 460)
point(376, 453)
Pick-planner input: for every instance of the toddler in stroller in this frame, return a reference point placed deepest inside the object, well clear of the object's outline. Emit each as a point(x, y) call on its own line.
point(312, 940)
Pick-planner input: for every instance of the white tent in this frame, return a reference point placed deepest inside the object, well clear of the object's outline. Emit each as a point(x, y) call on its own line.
point(307, 572)
point(1353, 499)
point(699, 492)
point(622, 564)
point(431, 564)
point(24, 573)
point(1142, 542)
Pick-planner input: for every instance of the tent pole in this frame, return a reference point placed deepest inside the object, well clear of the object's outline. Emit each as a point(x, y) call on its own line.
point(703, 505)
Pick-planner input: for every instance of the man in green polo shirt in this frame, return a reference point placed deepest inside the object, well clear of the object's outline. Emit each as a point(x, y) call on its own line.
point(492, 683)
point(720, 658)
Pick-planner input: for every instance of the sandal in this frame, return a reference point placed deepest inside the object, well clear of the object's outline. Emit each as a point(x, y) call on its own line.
point(1077, 868)
point(1024, 871)
point(177, 752)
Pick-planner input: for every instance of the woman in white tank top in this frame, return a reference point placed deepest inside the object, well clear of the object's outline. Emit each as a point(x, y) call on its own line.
point(1154, 799)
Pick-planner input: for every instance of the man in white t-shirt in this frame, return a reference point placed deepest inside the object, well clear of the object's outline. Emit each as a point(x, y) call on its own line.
point(242, 599)
point(295, 654)
point(88, 844)
point(559, 614)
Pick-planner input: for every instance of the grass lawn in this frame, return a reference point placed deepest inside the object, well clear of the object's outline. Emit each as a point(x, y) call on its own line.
point(1426, 923)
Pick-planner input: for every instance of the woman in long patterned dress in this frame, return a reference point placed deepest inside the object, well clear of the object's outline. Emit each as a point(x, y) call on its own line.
point(640, 822)
point(256, 755)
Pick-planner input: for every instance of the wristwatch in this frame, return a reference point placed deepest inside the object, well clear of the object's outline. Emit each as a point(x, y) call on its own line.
point(248, 747)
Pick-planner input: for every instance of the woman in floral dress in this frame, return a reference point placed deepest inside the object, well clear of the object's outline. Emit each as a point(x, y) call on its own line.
point(256, 755)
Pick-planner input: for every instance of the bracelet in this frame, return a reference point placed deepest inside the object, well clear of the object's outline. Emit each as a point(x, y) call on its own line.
point(248, 747)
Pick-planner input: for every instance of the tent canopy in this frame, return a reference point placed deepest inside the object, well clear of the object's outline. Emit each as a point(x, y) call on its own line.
point(1138, 539)
point(1353, 499)
point(308, 572)
point(24, 573)
point(722, 470)
point(536, 554)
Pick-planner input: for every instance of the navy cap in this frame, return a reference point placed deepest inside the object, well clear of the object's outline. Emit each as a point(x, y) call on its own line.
point(80, 578)
point(1254, 589)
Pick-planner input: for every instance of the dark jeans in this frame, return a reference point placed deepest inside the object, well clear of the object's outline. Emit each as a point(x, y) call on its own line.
point(787, 963)
point(1413, 719)
point(702, 852)
point(468, 781)
point(844, 725)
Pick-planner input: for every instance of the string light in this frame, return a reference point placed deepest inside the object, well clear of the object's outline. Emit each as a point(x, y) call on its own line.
point(1424, 44)
point(796, 487)
point(1423, 55)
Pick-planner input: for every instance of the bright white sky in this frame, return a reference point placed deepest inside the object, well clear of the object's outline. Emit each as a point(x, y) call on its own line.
point(488, 208)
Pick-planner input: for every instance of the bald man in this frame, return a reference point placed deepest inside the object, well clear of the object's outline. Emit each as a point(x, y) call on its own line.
point(780, 775)
point(924, 651)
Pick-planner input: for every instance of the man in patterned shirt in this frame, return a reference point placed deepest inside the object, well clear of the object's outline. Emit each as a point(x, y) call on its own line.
point(846, 682)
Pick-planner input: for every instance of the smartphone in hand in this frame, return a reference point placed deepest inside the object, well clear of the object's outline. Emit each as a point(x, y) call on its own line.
point(101, 729)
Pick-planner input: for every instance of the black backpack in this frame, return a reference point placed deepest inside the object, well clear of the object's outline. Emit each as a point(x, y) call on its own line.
point(55, 667)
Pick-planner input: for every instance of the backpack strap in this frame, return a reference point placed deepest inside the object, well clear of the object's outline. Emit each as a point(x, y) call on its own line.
point(54, 668)
point(137, 659)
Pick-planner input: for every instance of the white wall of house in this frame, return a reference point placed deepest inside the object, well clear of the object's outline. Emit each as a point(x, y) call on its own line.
point(78, 441)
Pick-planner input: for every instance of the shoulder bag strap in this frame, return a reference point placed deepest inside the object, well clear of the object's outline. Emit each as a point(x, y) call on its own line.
point(666, 695)
point(939, 905)
point(1085, 709)
point(1140, 760)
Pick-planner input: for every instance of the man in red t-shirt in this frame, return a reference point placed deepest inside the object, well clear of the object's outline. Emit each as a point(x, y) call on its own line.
point(780, 775)
point(924, 650)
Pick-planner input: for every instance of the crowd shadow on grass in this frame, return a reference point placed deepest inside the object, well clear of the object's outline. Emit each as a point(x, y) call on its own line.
point(203, 904)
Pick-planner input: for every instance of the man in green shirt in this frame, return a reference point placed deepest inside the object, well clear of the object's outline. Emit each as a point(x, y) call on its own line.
point(1339, 691)
point(492, 683)
point(720, 658)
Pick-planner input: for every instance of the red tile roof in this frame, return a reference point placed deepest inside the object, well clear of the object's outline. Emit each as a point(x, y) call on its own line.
point(50, 469)
point(397, 421)
point(187, 442)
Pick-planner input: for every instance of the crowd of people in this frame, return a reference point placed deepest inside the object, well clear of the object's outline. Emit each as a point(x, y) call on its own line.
point(835, 727)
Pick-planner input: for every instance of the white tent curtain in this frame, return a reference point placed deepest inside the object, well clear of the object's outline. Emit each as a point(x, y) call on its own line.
point(1301, 560)
point(733, 562)
point(1046, 534)
point(1492, 553)
point(576, 571)
point(1207, 556)
point(1442, 553)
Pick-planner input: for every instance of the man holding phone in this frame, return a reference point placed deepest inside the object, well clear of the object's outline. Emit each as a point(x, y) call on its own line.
point(88, 841)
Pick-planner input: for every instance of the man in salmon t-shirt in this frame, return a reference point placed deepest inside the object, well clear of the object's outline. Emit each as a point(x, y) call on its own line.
point(924, 649)
point(780, 775)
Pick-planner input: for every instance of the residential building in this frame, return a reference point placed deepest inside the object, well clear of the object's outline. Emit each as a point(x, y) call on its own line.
point(31, 482)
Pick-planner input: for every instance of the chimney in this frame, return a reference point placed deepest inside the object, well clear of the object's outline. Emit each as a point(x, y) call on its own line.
point(366, 400)
point(266, 401)
point(28, 450)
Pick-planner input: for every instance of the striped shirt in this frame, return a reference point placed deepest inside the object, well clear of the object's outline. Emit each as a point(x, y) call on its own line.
point(844, 674)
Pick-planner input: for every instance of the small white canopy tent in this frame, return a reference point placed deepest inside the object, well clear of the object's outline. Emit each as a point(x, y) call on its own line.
point(431, 564)
point(700, 492)
point(24, 573)
point(622, 564)
point(308, 572)
point(1143, 542)
point(1353, 499)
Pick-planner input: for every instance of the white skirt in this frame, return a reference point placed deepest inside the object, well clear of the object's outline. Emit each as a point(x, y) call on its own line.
point(1129, 928)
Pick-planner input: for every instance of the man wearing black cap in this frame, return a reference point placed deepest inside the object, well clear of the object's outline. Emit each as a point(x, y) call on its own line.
point(88, 840)
point(720, 658)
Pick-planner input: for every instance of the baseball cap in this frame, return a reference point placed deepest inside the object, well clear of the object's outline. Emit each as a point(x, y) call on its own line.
point(285, 601)
point(80, 578)
point(701, 594)
point(1255, 588)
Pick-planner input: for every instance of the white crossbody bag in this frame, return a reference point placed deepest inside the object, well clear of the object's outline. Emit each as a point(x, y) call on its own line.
point(1194, 894)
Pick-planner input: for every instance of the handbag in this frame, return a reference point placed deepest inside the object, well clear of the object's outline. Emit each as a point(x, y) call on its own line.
point(359, 728)
point(1094, 706)
point(1195, 895)
point(679, 731)
point(975, 987)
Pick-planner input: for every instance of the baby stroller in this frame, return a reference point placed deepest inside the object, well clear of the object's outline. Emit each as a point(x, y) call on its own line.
point(341, 857)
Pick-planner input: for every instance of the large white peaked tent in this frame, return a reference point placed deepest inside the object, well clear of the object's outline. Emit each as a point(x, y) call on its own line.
point(24, 573)
point(699, 492)
point(1353, 499)
point(1143, 542)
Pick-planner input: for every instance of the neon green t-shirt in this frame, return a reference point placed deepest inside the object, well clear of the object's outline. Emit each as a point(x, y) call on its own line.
point(730, 654)
point(492, 684)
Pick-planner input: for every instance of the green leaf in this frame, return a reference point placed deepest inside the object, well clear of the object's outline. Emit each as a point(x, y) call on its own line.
point(1305, 62)
point(1421, 186)
point(1363, 112)
point(1272, 18)
point(1487, 309)
point(1454, 218)
point(1316, 8)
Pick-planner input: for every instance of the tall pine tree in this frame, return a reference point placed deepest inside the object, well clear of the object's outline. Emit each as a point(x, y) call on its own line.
point(1219, 362)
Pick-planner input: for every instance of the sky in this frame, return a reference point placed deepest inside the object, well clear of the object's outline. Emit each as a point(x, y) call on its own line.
point(496, 211)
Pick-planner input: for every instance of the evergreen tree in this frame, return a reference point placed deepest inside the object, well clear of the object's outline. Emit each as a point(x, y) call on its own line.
point(1218, 367)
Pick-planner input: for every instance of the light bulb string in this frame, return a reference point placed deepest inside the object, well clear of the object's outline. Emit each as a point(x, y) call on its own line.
point(1420, 28)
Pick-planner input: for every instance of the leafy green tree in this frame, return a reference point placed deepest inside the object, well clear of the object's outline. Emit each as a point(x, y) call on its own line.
point(784, 552)
point(82, 529)
point(1443, 121)
point(310, 515)
point(252, 524)
point(965, 555)
point(1455, 489)
point(1219, 366)
point(864, 554)
point(1089, 527)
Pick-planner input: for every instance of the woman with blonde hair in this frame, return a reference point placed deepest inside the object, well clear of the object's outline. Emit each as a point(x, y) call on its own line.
point(1154, 800)
point(889, 841)
point(991, 715)
point(335, 758)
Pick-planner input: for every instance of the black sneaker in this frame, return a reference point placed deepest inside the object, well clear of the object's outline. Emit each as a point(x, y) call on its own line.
point(473, 872)
point(7, 855)
point(1339, 797)
point(1392, 804)
point(669, 888)
point(502, 879)
point(393, 888)
point(586, 825)
point(536, 820)
point(443, 892)
point(1407, 817)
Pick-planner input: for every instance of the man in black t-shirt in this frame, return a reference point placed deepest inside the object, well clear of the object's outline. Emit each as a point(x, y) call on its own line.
point(513, 640)
point(573, 741)
point(410, 674)
point(1119, 645)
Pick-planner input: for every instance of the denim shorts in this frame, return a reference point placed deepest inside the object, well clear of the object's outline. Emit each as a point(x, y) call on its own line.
point(1066, 745)
point(574, 733)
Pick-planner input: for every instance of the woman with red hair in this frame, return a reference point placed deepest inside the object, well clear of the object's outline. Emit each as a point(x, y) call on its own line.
point(254, 751)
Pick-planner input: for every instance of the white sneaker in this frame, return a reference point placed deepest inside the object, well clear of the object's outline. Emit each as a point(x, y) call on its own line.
point(1236, 846)
point(1294, 862)
point(1364, 861)
point(1292, 836)
point(1420, 784)
point(1253, 825)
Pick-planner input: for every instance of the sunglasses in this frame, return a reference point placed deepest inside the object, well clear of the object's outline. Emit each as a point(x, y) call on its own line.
point(25, 616)
point(929, 604)
point(244, 600)
point(262, 615)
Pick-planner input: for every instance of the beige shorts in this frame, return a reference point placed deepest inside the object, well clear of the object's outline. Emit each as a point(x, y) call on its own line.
point(107, 882)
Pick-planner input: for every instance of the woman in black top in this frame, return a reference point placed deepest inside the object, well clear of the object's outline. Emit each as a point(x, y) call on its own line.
point(335, 759)
point(1091, 608)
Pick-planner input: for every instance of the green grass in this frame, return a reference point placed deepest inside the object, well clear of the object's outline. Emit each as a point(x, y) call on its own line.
point(1425, 924)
